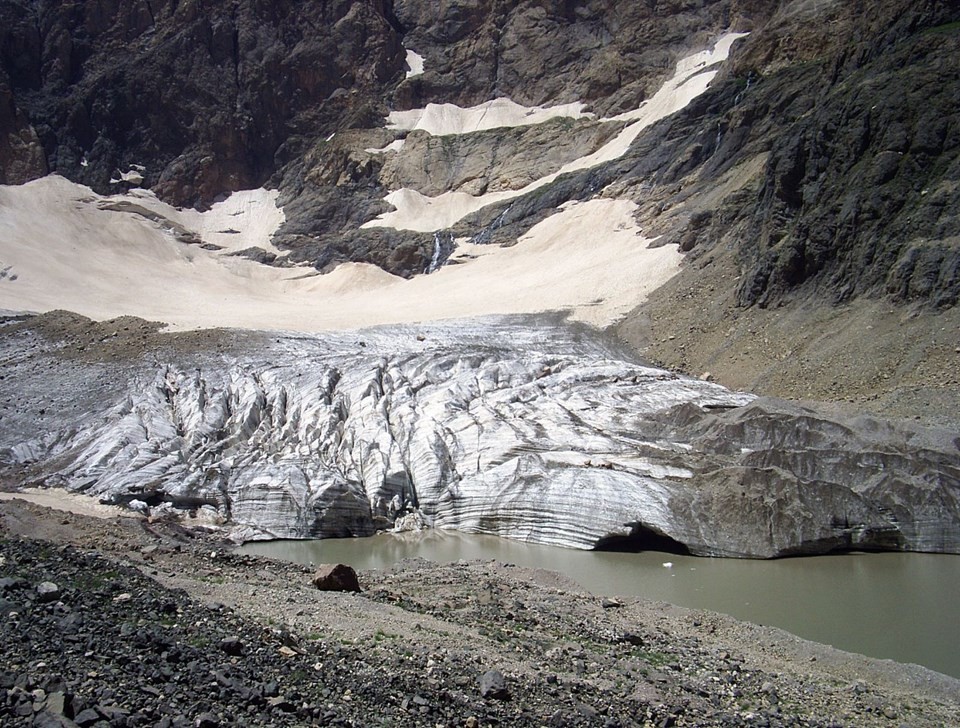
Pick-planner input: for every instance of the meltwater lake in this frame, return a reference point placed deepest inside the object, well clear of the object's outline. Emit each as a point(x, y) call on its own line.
point(901, 606)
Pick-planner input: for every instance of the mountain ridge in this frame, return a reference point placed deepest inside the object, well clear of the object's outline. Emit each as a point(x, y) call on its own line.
point(745, 198)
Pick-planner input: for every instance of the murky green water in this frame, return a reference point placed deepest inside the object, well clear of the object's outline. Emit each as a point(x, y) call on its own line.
point(905, 607)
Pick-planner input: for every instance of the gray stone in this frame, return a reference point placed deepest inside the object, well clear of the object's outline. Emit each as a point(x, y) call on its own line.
point(587, 711)
point(493, 684)
point(47, 719)
point(47, 591)
point(8, 607)
point(10, 583)
point(207, 720)
point(55, 702)
point(86, 717)
point(232, 646)
point(631, 638)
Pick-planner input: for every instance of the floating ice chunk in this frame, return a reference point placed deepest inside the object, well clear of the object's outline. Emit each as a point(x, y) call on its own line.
point(667, 564)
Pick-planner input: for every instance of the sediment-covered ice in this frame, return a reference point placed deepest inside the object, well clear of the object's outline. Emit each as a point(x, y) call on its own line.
point(494, 426)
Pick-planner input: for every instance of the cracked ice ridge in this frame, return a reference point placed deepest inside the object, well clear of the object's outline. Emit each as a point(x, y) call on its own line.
point(334, 445)
point(488, 426)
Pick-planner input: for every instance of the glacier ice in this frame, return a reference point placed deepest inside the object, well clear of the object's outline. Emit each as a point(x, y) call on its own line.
point(497, 426)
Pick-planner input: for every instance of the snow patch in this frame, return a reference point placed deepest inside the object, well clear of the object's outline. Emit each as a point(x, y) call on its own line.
point(394, 146)
point(428, 214)
point(245, 219)
point(70, 253)
point(133, 176)
point(414, 63)
point(447, 119)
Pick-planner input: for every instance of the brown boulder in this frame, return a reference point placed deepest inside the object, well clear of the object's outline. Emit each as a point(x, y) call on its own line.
point(336, 577)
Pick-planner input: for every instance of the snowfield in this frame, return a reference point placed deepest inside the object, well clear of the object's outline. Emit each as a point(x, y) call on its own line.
point(65, 247)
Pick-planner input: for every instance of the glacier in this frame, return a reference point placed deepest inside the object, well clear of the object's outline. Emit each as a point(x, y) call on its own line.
point(545, 432)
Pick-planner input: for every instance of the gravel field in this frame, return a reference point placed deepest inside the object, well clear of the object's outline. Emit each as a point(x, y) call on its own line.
point(122, 622)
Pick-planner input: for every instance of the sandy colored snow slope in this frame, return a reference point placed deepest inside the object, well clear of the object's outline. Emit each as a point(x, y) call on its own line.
point(64, 247)
point(446, 119)
point(415, 211)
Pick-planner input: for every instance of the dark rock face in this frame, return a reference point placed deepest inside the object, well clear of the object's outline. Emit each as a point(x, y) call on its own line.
point(205, 95)
point(861, 197)
point(858, 132)
point(858, 126)
point(607, 53)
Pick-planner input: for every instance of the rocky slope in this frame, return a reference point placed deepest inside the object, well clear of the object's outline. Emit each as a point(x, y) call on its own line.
point(482, 426)
point(836, 156)
point(149, 624)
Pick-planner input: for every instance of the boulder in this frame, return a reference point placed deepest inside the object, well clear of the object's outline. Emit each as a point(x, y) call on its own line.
point(494, 685)
point(336, 577)
point(48, 592)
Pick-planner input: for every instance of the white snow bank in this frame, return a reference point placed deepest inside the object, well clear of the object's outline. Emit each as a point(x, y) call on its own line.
point(245, 219)
point(446, 119)
point(414, 64)
point(691, 78)
point(428, 214)
point(67, 252)
point(133, 176)
point(395, 146)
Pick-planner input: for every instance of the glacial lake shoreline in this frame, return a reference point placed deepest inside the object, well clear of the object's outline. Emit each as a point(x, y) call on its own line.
point(898, 606)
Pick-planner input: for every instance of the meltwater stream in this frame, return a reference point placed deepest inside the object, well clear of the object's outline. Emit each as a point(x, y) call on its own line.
point(901, 606)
